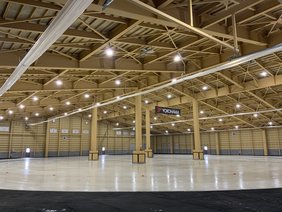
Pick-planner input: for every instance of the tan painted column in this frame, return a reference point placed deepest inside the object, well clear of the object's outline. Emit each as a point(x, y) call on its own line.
point(47, 139)
point(197, 152)
point(10, 139)
point(59, 137)
point(264, 140)
point(149, 152)
point(93, 153)
point(217, 143)
point(138, 155)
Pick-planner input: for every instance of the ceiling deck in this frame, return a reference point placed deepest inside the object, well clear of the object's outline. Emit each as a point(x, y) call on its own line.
point(145, 44)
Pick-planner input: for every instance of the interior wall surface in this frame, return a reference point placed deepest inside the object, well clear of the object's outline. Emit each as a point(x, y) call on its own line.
point(16, 136)
point(237, 142)
point(70, 136)
point(115, 141)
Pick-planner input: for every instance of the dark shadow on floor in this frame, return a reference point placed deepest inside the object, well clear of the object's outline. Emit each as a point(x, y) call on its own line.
point(243, 200)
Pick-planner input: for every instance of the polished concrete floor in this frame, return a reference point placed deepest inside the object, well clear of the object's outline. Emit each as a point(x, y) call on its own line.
point(161, 173)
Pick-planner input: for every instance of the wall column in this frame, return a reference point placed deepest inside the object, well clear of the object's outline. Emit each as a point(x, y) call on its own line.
point(138, 155)
point(264, 140)
point(217, 143)
point(47, 139)
point(149, 152)
point(197, 152)
point(93, 153)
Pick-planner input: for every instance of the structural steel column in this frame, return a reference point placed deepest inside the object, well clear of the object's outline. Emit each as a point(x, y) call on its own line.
point(93, 153)
point(149, 152)
point(197, 152)
point(264, 140)
point(138, 155)
point(47, 139)
point(217, 143)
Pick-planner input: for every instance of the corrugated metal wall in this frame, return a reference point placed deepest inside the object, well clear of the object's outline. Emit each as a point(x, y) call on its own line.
point(16, 136)
point(237, 142)
point(115, 141)
point(70, 136)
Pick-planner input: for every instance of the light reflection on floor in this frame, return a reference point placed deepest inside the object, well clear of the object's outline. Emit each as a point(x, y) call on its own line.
point(161, 173)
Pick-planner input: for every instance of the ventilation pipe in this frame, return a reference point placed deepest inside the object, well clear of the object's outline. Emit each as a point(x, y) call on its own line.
point(69, 13)
point(204, 72)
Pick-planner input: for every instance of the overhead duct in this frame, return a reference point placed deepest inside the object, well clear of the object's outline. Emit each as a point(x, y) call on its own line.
point(107, 3)
point(226, 65)
point(69, 13)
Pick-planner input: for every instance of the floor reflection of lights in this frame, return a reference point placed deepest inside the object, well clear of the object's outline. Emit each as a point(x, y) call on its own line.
point(161, 173)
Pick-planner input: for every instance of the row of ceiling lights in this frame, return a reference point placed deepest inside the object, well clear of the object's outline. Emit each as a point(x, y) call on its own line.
point(110, 52)
point(177, 58)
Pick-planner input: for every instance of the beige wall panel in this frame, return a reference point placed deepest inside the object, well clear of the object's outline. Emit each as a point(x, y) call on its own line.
point(224, 143)
point(246, 139)
point(257, 139)
point(212, 141)
point(235, 140)
point(273, 137)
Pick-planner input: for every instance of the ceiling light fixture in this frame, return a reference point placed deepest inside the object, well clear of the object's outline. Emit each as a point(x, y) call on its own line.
point(238, 105)
point(212, 129)
point(177, 58)
point(26, 118)
point(220, 120)
point(1, 117)
point(173, 124)
point(146, 101)
point(117, 124)
point(255, 115)
point(270, 123)
point(166, 131)
point(263, 73)
point(89, 115)
point(36, 114)
point(124, 107)
point(65, 114)
point(205, 88)
point(169, 96)
point(105, 112)
point(155, 118)
point(51, 108)
point(201, 112)
point(109, 52)
point(68, 103)
point(59, 82)
point(189, 130)
point(22, 106)
point(86, 95)
point(10, 112)
point(117, 82)
point(236, 127)
point(35, 98)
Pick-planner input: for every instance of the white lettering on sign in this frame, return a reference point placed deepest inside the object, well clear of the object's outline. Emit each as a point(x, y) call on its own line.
point(164, 110)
